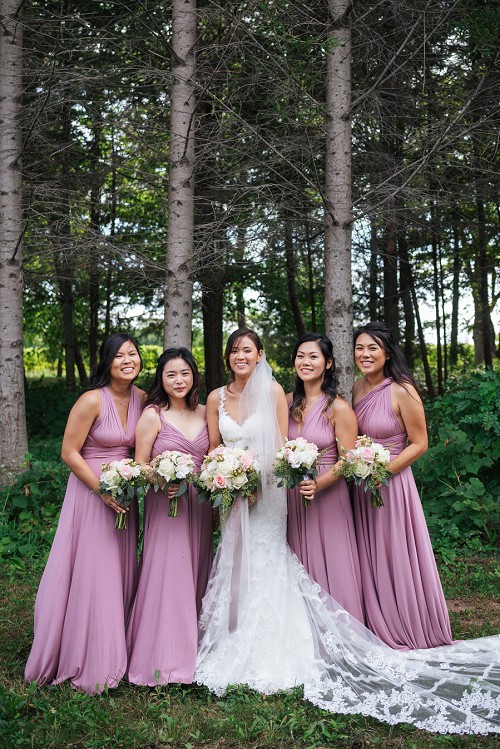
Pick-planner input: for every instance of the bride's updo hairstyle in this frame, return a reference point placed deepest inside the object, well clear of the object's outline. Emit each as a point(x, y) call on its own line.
point(233, 341)
point(329, 386)
point(158, 396)
point(395, 366)
point(99, 375)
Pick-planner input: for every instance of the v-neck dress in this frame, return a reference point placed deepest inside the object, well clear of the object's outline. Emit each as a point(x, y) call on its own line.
point(162, 634)
point(404, 600)
point(322, 535)
point(89, 582)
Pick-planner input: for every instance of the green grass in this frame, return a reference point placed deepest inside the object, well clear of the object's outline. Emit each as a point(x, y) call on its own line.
point(190, 716)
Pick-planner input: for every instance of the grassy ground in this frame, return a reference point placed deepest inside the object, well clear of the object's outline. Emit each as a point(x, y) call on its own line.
point(189, 717)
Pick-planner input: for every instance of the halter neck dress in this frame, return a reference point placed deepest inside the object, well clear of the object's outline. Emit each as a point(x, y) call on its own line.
point(162, 634)
point(87, 588)
point(403, 596)
point(322, 535)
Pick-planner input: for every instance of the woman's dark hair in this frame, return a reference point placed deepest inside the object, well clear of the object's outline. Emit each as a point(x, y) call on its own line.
point(329, 386)
point(233, 341)
point(395, 366)
point(157, 394)
point(99, 375)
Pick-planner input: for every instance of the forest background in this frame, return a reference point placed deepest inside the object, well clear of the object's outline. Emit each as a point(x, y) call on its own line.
point(179, 169)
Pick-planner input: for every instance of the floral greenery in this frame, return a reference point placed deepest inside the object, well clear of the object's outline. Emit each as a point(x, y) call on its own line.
point(459, 476)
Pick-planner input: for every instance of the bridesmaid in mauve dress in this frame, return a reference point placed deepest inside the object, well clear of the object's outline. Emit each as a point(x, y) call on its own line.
point(404, 600)
point(162, 634)
point(90, 579)
point(322, 535)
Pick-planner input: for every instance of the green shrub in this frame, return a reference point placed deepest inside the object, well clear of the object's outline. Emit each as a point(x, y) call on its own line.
point(29, 512)
point(459, 476)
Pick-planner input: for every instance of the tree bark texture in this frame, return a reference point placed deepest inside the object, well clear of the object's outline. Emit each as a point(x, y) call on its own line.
point(338, 196)
point(13, 435)
point(180, 238)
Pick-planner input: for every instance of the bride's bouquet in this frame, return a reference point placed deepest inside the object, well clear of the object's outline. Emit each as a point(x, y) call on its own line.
point(367, 462)
point(296, 462)
point(172, 467)
point(226, 473)
point(124, 480)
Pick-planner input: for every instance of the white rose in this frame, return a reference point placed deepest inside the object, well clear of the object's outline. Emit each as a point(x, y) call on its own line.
point(228, 466)
point(362, 470)
point(182, 471)
point(111, 479)
point(239, 480)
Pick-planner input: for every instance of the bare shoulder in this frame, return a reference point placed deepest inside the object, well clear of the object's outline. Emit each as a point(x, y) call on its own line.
point(90, 401)
point(200, 410)
point(213, 397)
point(358, 386)
point(341, 407)
point(276, 389)
point(150, 416)
point(405, 394)
point(289, 397)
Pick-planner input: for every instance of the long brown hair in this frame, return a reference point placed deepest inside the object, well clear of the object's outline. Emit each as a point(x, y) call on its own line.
point(233, 341)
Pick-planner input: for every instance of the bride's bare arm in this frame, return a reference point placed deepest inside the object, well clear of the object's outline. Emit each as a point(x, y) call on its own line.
point(212, 416)
point(281, 411)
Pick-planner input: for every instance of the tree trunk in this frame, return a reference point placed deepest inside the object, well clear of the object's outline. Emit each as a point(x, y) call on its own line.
point(80, 365)
point(482, 276)
point(404, 284)
point(391, 309)
point(436, 290)
point(62, 251)
point(455, 300)
point(310, 276)
point(338, 196)
point(212, 301)
point(291, 273)
point(373, 297)
point(423, 347)
point(95, 222)
point(180, 239)
point(13, 435)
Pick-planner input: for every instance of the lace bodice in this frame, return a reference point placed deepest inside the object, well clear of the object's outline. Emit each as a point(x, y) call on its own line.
point(232, 433)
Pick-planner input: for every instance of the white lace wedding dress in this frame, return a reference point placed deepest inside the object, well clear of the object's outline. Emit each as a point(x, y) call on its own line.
point(266, 624)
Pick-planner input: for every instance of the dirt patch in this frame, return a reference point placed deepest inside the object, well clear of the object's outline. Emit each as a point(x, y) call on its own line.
point(476, 610)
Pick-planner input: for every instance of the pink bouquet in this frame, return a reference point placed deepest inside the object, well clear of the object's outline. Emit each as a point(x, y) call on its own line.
point(124, 480)
point(227, 472)
point(367, 462)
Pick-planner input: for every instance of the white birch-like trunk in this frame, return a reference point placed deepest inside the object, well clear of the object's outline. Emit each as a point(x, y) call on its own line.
point(13, 437)
point(338, 200)
point(180, 239)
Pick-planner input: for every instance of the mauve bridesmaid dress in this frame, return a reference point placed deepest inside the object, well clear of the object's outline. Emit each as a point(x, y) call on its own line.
point(162, 634)
point(404, 600)
point(322, 535)
point(89, 582)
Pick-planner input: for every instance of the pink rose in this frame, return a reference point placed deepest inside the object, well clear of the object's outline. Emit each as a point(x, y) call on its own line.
point(245, 461)
point(126, 472)
point(220, 482)
point(366, 454)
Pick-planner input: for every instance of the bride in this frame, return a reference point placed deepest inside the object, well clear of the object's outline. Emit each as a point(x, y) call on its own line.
point(266, 624)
